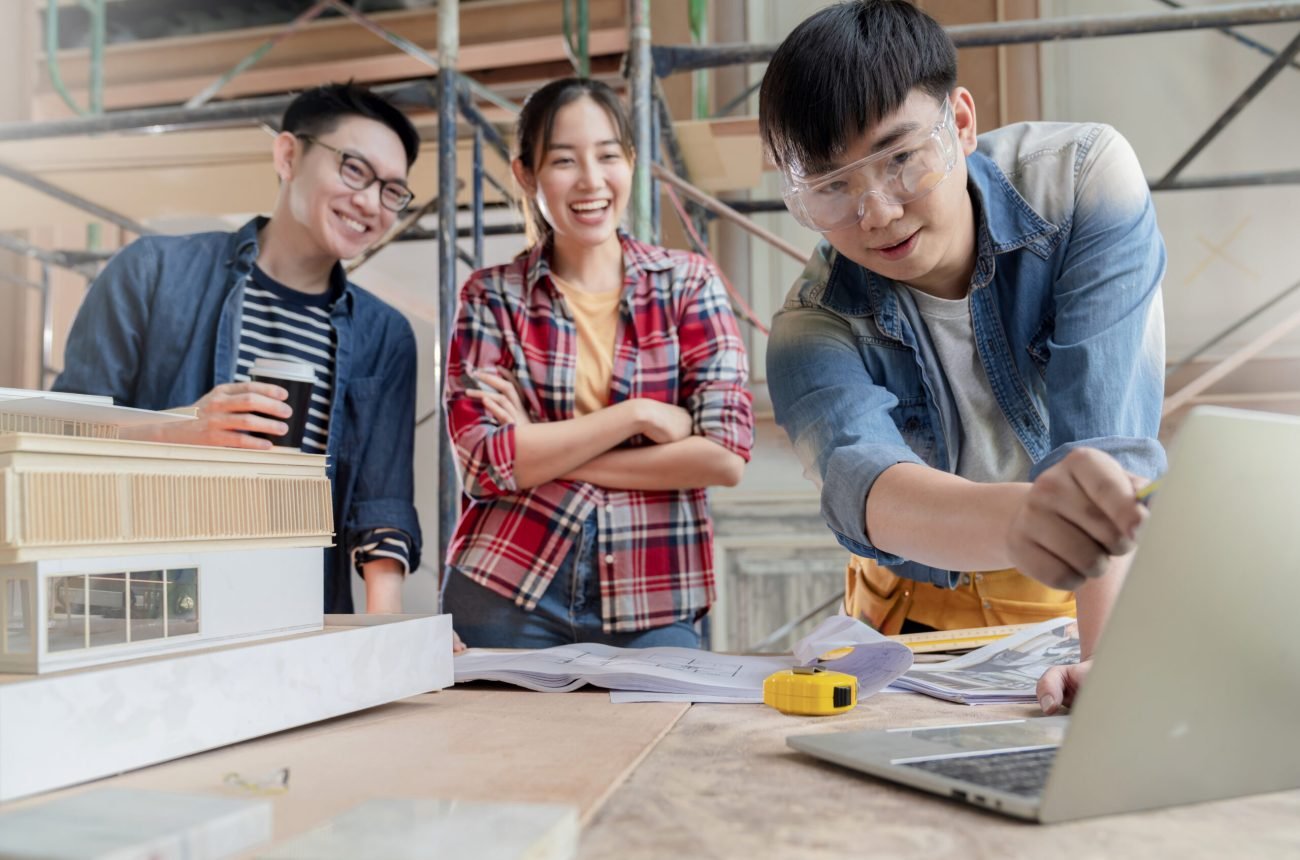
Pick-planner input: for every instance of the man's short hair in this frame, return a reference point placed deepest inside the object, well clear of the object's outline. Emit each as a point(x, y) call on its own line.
point(318, 111)
point(843, 70)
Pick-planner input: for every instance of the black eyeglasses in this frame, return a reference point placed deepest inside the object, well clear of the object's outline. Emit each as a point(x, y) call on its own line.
point(358, 175)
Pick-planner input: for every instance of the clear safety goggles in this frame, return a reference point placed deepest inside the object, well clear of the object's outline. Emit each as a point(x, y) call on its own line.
point(899, 175)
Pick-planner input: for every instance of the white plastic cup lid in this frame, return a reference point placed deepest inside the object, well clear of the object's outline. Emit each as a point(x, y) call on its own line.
point(281, 368)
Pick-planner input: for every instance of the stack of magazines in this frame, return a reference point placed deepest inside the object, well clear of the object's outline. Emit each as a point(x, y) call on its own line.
point(1005, 671)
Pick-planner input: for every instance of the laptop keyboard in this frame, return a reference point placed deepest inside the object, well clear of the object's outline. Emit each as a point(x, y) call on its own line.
point(1022, 772)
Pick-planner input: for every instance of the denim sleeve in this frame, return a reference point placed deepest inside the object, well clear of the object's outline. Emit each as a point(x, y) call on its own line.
point(1105, 370)
point(106, 340)
point(385, 491)
point(836, 416)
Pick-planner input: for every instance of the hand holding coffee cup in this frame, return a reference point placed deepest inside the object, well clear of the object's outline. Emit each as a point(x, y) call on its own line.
point(297, 379)
point(226, 416)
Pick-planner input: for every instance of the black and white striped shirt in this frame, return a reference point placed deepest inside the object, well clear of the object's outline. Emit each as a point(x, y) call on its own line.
point(281, 322)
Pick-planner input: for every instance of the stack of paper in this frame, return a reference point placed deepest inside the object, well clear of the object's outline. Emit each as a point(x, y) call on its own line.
point(689, 674)
point(90, 409)
point(1005, 671)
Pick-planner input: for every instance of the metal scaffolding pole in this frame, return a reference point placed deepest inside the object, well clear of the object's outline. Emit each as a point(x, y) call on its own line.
point(1216, 339)
point(410, 94)
point(74, 200)
point(1196, 183)
point(670, 59)
point(1237, 37)
point(639, 83)
point(448, 50)
point(476, 189)
point(47, 326)
point(1232, 180)
point(205, 95)
point(1248, 95)
point(579, 54)
point(722, 210)
point(1183, 396)
point(13, 244)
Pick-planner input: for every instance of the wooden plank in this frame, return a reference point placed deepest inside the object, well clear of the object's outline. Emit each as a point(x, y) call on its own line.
point(164, 176)
point(477, 743)
point(388, 64)
point(161, 71)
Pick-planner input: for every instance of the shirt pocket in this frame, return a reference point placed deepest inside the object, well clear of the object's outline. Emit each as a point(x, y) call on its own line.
point(894, 367)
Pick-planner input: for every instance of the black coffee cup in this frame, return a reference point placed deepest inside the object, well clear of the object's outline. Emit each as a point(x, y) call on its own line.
point(296, 378)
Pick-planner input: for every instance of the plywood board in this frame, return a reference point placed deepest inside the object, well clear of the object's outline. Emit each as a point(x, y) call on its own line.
point(724, 784)
point(484, 743)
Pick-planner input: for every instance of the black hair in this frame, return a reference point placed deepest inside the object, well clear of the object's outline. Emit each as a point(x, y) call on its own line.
point(317, 111)
point(844, 69)
point(537, 121)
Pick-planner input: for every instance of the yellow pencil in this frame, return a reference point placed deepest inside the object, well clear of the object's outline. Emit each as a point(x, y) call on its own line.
point(1144, 495)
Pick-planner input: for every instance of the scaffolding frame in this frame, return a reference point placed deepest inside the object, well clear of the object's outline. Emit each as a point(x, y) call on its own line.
point(453, 95)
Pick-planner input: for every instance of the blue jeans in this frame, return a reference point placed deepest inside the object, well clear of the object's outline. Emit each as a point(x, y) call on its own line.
point(568, 612)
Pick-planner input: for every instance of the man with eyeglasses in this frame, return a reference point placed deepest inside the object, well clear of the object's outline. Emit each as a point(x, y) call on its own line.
point(972, 363)
point(180, 320)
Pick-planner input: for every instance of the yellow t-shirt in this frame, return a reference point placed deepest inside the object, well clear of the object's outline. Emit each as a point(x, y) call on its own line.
point(595, 316)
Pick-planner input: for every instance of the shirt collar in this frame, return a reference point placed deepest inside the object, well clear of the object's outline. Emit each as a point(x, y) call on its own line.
point(1010, 222)
point(244, 248)
point(639, 260)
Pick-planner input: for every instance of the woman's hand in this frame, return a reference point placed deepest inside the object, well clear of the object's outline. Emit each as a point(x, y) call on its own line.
point(661, 422)
point(500, 397)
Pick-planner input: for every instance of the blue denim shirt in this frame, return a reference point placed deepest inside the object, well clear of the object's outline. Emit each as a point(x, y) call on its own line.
point(159, 328)
point(1066, 309)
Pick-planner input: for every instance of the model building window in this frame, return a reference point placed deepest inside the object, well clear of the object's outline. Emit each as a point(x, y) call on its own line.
point(98, 609)
point(182, 601)
point(17, 612)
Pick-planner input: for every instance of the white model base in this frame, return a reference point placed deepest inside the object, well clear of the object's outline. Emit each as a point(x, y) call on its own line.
point(130, 824)
point(416, 828)
point(71, 727)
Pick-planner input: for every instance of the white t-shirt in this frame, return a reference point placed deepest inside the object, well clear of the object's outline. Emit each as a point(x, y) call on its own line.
point(991, 452)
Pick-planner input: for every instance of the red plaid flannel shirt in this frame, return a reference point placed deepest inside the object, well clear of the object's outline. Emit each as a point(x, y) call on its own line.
point(678, 342)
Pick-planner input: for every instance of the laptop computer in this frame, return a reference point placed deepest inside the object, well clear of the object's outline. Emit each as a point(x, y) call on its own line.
point(1195, 686)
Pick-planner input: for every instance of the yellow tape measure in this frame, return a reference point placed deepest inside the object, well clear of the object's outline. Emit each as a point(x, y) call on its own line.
point(957, 640)
point(810, 691)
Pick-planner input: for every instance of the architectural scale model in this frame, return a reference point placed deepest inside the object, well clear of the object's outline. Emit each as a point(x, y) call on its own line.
point(114, 550)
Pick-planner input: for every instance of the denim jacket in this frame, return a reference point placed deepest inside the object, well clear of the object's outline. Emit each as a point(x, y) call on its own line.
point(1066, 309)
point(160, 327)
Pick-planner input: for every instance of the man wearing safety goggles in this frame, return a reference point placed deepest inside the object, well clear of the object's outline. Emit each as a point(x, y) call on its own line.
point(973, 361)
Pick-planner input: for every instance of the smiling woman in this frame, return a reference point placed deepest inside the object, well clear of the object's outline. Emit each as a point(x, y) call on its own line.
point(595, 388)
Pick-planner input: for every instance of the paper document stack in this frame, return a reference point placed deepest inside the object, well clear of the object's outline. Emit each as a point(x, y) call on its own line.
point(1005, 671)
point(689, 674)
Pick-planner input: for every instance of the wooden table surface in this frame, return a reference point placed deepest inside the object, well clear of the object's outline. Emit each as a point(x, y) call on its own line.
point(724, 784)
point(668, 780)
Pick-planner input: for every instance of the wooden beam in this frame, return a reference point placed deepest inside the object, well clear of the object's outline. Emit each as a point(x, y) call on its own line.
point(1183, 396)
point(162, 71)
